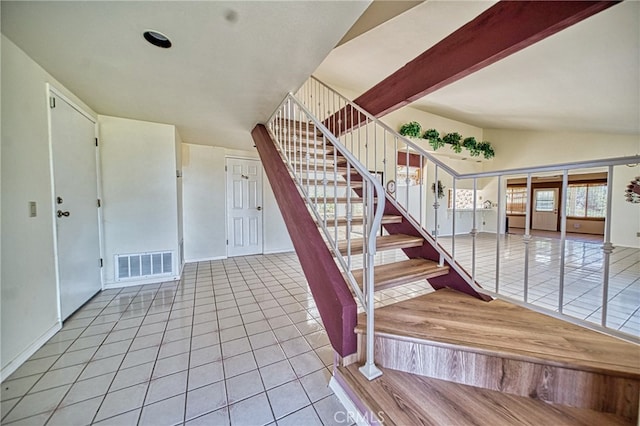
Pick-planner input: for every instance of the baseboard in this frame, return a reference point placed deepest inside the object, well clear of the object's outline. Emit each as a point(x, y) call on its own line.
point(205, 259)
point(351, 413)
point(288, 250)
point(13, 365)
point(133, 283)
point(350, 359)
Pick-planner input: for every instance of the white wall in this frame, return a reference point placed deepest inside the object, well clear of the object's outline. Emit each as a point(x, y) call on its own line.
point(139, 189)
point(397, 118)
point(276, 237)
point(28, 297)
point(204, 202)
point(205, 205)
point(521, 148)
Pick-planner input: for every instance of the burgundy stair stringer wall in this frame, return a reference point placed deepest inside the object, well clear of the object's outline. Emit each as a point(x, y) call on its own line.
point(427, 251)
point(331, 293)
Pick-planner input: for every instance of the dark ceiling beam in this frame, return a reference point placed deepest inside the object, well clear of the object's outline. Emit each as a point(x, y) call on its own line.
point(503, 29)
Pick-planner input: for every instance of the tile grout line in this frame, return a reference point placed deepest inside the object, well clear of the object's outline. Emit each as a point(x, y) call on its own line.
point(49, 369)
point(125, 355)
point(297, 377)
point(93, 420)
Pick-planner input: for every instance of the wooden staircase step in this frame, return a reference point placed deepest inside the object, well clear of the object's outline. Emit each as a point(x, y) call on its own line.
point(317, 149)
point(398, 398)
point(297, 141)
point(319, 157)
point(406, 271)
point(386, 242)
point(339, 200)
point(358, 220)
point(506, 347)
point(330, 183)
point(299, 125)
point(318, 168)
point(340, 172)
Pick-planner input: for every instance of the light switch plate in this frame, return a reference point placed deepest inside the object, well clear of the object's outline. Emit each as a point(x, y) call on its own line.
point(33, 210)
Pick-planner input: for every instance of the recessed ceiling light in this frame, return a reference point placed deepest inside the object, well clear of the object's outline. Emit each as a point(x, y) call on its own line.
point(157, 39)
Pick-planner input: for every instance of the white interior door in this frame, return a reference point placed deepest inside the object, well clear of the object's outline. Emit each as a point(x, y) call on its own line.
point(75, 205)
point(244, 207)
point(545, 209)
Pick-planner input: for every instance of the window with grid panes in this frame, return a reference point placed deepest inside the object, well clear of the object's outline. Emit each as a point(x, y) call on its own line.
point(587, 200)
point(516, 200)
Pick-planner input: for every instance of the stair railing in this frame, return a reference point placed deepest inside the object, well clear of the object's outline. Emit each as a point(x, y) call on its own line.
point(381, 149)
point(334, 183)
point(388, 154)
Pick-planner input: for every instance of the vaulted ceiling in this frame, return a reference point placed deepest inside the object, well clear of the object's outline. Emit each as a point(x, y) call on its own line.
point(585, 78)
point(233, 61)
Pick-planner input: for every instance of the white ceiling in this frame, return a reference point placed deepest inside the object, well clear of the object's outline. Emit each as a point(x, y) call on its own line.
point(585, 78)
point(231, 62)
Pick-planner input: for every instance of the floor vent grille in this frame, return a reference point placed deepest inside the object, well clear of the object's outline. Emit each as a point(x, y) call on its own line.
point(142, 265)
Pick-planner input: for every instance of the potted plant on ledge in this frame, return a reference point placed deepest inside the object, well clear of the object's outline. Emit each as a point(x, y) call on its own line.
point(454, 139)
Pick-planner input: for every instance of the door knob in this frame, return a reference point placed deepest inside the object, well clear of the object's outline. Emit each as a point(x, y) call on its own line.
point(259, 208)
point(61, 213)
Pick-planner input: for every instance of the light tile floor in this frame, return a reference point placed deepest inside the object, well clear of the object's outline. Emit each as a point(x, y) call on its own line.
point(240, 340)
point(583, 275)
point(235, 341)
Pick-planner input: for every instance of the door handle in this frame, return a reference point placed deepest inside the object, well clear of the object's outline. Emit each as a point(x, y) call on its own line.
point(259, 208)
point(61, 213)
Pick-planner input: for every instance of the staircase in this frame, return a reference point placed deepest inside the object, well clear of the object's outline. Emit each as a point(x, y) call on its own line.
point(478, 360)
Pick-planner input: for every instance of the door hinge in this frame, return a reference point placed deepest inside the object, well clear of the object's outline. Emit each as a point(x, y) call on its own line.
point(96, 141)
point(101, 263)
point(225, 168)
point(52, 102)
point(227, 242)
point(99, 203)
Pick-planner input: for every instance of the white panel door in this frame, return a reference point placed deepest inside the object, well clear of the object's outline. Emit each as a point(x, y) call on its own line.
point(75, 205)
point(244, 207)
point(545, 209)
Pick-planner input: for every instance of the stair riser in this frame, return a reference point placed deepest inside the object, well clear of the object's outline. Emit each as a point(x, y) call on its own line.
point(560, 385)
point(354, 222)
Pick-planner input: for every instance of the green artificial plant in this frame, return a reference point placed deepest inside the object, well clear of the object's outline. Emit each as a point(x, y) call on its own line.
point(412, 129)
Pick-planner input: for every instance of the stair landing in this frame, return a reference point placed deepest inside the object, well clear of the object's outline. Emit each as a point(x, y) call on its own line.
point(398, 398)
point(454, 319)
point(505, 347)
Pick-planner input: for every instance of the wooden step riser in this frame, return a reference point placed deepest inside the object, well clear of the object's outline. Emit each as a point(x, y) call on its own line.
point(318, 169)
point(293, 145)
point(426, 276)
point(403, 272)
point(331, 184)
point(357, 221)
point(290, 125)
point(554, 384)
point(357, 246)
point(318, 158)
point(340, 200)
point(332, 176)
